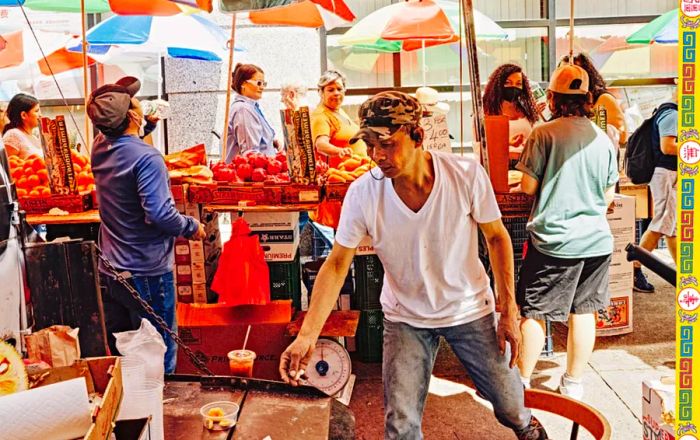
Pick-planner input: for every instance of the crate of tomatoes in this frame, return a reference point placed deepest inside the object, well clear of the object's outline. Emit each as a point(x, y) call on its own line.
point(31, 179)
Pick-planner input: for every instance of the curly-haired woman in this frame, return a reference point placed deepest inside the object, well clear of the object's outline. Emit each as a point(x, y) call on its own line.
point(508, 93)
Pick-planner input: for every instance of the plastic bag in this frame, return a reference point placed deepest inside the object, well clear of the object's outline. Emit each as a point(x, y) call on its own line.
point(145, 344)
point(242, 276)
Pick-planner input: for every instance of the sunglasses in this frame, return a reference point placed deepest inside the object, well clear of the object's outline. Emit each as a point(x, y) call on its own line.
point(259, 83)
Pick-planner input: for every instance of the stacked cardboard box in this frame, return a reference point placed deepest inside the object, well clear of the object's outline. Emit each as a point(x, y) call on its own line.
point(278, 233)
point(658, 407)
point(189, 271)
point(617, 318)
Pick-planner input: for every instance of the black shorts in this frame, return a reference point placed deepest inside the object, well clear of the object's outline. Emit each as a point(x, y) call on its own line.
point(551, 288)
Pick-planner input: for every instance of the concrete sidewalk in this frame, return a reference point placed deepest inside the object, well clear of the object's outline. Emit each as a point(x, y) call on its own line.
point(613, 383)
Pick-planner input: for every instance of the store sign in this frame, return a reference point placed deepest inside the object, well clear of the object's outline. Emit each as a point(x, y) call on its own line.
point(437, 134)
point(688, 272)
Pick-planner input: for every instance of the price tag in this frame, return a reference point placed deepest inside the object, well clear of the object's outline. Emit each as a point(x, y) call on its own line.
point(437, 135)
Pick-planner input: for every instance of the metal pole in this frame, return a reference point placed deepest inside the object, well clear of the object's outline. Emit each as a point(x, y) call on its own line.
point(552, 40)
point(571, 33)
point(475, 83)
point(232, 43)
point(86, 88)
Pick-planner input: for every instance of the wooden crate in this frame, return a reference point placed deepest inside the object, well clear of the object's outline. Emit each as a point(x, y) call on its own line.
point(71, 203)
point(64, 284)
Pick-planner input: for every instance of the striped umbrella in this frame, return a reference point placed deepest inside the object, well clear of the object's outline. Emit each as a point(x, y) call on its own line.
point(123, 7)
point(663, 29)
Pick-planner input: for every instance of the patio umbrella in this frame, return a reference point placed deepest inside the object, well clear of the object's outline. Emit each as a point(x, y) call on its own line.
point(123, 7)
point(663, 29)
point(642, 61)
point(368, 32)
point(21, 56)
point(306, 13)
point(412, 25)
point(182, 36)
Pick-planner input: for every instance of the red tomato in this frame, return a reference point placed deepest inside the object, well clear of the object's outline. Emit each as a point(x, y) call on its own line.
point(244, 171)
point(259, 175)
point(274, 166)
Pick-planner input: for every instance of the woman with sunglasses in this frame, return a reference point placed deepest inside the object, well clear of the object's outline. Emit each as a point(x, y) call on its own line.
point(248, 129)
point(331, 127)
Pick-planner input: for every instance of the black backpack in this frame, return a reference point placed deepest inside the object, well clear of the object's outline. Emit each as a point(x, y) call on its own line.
point(643, 152)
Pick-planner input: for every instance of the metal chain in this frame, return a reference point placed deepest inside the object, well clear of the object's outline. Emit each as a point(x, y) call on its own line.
point(147, 307)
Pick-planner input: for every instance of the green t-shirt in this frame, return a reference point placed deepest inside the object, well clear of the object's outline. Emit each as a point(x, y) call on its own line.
point(574, 162)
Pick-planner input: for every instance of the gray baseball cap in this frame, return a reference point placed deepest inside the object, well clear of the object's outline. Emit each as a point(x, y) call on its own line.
point(108, 105)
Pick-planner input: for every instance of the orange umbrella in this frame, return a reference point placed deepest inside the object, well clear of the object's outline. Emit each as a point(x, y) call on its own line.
point(306, 13)
point(419, 25)
point(62, 60)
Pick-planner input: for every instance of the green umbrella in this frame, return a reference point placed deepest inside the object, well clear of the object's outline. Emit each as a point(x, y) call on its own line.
point(663, 29)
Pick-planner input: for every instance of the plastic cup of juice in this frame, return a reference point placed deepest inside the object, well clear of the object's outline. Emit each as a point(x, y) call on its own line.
point(240, 362)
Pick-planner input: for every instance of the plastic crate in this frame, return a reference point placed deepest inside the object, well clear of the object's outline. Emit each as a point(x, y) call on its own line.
point(370, 335)
point(309, 271)
point(369, 277)
point(285, 281)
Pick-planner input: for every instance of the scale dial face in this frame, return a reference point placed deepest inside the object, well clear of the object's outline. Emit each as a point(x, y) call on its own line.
point(329, 367)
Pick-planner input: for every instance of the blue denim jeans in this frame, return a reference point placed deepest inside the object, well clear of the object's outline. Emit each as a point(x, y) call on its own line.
point(409, 355)
point(123, 313)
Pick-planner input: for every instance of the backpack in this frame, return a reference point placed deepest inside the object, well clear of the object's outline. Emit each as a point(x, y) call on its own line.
point(643, 152)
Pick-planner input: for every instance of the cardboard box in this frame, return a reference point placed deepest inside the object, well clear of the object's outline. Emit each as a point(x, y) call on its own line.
point(192, 210)
point(296, 127)
point(279, 252)
point(103, 376)
point(658, 409)
point(212, 330)
point(185, 294)
point(514, 203)
point(198, 273)
point(232, 194)
point(182, 252)
point(641, 196)
point(297, 193)
point(179, 193)
point(71, 203)
point(196, 251)
point(272, 221)
point(183, 274)
point(335, 191)
point(199, 293)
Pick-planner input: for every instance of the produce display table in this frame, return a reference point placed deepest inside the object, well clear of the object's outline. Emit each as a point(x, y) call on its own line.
point(92, 216)
point(299, 207)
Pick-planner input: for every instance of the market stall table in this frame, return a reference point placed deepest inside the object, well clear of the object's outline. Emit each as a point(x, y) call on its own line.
point(85, 225)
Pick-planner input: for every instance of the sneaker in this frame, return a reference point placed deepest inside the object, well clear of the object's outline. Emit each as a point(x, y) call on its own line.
point(641, 284)
point(533, 432)
point(570, 388)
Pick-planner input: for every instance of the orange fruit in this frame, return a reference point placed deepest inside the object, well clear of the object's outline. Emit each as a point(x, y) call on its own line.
point(43, 175)
point(34, 193)
point(33, 181)
point(22, 183)
point(21, 192)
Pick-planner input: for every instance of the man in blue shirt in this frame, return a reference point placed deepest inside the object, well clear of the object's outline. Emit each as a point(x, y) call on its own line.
point(139, 219)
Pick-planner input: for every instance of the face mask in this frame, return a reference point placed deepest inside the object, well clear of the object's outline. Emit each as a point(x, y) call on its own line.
point(510, 94)
point(142, 128)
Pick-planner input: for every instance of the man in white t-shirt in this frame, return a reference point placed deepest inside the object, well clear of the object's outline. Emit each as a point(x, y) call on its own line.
point(423, 211)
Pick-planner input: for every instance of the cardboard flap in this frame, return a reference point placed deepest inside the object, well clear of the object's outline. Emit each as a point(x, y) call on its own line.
point(206, 315)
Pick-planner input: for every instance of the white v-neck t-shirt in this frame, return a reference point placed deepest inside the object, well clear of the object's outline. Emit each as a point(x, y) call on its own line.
point(432, 273)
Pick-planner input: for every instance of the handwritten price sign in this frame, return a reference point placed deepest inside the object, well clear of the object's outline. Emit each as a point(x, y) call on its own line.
point(437, 135)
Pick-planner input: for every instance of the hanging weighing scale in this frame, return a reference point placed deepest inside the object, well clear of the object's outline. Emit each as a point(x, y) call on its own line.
point(329, 368)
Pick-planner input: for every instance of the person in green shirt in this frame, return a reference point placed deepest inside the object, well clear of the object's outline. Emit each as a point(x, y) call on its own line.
point(570, 165)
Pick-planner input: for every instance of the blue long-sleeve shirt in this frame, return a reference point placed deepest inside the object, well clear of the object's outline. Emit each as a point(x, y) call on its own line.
point(248, 129)
point(139, 219)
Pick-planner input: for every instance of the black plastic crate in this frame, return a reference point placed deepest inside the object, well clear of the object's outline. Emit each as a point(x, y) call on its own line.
point(285, 281)
point(370, 335)
point(369, 279)
point(309, 272)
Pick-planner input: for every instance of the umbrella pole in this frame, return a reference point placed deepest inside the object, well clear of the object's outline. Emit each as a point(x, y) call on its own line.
point(83, 17)
point(224, 137)
point(571, 33)
point(474, 82)
point(424, 67)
